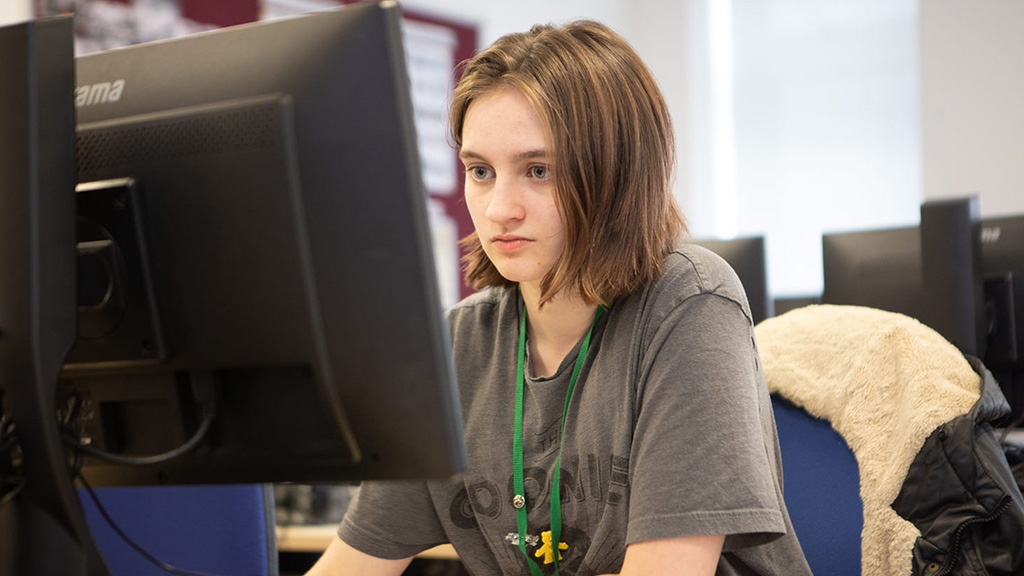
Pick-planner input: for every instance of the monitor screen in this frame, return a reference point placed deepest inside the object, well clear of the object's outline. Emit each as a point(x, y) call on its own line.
point(747, 257)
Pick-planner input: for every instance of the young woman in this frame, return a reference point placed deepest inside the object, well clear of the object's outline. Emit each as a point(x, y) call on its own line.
point(615, 411)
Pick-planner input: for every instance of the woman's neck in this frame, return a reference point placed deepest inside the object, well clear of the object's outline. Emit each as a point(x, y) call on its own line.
point(553, 329)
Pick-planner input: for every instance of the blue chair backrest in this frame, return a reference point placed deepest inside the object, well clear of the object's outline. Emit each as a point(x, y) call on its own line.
point(822, 490)
point(226, 530)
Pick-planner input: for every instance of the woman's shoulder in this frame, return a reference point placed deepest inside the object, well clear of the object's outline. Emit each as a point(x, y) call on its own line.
point(483, 308)
point(487, 297)
point(702, 269)
point(692, 271)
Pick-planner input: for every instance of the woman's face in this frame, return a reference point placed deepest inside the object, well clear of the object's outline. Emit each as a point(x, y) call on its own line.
point(510, 185)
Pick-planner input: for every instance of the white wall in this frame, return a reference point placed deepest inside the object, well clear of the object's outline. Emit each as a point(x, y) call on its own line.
point(495, 19)
point(658, 29)
point(14, 11)
point(826, 124)
point(972, 101)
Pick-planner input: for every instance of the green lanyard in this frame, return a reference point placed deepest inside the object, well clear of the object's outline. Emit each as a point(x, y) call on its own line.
point(519, 500)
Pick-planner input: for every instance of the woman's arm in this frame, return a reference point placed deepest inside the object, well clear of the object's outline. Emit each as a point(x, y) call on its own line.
point(688, 556)
point(340, 559)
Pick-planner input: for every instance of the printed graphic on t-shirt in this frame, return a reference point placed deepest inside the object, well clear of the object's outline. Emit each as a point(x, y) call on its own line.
point(593, 492)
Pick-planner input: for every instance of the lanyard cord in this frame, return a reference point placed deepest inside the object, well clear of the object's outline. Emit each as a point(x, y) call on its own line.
point(519, 501)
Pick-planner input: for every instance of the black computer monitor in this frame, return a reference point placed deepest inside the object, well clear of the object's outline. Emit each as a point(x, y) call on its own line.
point(747, 258)
point(885, 269)
point(876, 268)
point(784, 304)
point(1002, 265)
point(255, 285)
point(273, 237)
point(39, 514)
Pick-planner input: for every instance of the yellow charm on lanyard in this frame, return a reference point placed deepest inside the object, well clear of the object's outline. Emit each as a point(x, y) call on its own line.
point(545, 549)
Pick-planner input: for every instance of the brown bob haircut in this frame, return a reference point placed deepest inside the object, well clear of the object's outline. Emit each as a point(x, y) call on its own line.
point(613, 155)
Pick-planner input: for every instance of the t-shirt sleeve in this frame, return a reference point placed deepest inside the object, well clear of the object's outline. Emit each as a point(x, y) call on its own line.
point(700, 462)
point(393, 520)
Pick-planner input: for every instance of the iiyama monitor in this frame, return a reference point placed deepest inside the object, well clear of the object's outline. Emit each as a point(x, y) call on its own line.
point(261, 185)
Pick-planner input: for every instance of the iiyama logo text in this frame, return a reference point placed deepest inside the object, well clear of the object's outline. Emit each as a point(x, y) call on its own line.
point(991, 234)
point(99, 93)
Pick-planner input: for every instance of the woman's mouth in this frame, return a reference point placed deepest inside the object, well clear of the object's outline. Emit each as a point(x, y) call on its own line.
point(508, 243)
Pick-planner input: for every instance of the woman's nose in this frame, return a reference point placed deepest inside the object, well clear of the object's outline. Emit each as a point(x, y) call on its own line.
point(505, 202)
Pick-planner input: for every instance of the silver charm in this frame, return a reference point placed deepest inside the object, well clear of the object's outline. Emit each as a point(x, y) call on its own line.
point(518, 501)
point(513, 539)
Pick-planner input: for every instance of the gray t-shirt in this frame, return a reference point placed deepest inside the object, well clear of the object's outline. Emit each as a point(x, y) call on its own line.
point(669, 433)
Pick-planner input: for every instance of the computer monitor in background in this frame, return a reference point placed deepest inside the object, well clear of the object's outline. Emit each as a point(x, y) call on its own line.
point(876, 268)
point(1002, 269)
point(256, 292)
point(786, 304)
point(885, 269)
point(747, 258)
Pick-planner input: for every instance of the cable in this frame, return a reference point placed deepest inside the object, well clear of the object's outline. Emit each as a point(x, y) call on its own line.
point(16, 487)
point(73, 403)
point(204, 427)
point(11, 493)
point(11, 481)
point(135, 546)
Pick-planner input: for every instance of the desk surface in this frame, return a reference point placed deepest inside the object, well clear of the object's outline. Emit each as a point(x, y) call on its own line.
point(317, 538)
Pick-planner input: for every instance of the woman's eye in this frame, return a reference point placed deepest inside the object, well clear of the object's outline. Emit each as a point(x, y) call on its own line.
point(539, 172)
point(479, 172)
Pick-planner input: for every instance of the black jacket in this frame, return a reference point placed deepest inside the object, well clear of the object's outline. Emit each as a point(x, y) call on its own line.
point(961, 492)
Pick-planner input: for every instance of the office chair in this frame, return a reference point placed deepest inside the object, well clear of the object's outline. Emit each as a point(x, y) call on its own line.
point(887, 382)
point(821, 488)
point(226, 530)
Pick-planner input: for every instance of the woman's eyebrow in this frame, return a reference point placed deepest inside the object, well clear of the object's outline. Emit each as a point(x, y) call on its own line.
point(531, 154)
point(527, 155)
point(469, 154)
